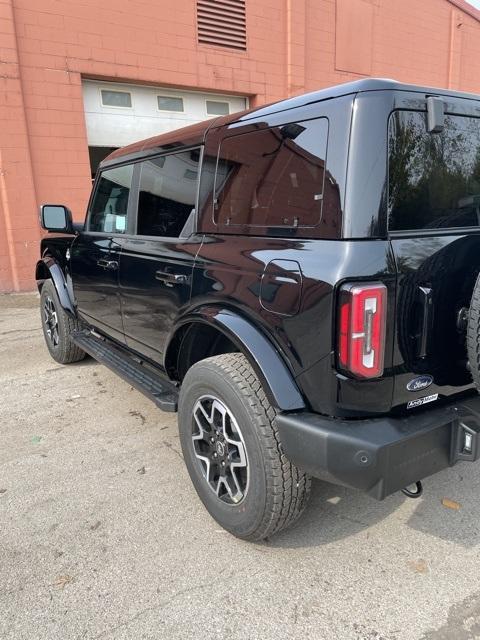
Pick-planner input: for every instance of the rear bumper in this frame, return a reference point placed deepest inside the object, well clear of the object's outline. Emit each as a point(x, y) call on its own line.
point(381, 455)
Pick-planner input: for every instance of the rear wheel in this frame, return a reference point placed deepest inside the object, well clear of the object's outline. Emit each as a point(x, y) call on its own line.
point(58, 326)
point(232, 450)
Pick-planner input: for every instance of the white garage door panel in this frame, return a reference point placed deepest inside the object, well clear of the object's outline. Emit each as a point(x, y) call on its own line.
point(118, 131)
point(118, 126)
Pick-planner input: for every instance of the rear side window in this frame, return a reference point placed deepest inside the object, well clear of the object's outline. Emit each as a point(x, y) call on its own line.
point(108, 211)
point(167, 193)
point(272, 177)
point(434, 178)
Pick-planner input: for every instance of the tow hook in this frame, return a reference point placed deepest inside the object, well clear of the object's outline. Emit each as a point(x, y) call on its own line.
point(414, 494)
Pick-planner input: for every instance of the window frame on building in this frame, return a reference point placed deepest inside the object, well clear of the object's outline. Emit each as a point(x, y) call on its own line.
point(103, 90)
point(181, 98)
point(209, 100)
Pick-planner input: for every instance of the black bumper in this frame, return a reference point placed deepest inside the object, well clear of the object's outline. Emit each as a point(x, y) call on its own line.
point(381, 455)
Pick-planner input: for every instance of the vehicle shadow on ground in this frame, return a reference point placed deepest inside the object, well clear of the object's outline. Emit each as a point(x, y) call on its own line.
point(88, 361)
point(335, 512)
point(460, 485)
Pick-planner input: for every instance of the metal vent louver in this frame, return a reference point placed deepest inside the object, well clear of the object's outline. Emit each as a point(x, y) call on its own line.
point(222, 23)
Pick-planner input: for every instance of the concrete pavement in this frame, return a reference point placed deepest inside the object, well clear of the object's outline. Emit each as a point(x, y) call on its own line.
point(103, 536)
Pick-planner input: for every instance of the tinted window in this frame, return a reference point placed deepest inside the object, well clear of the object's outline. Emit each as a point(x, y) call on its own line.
point(434, 178)
point(108, 212)
point(167, 192)
point(272, 177)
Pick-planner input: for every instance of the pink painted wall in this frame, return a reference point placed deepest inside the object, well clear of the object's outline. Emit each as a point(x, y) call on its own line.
point(47, 46)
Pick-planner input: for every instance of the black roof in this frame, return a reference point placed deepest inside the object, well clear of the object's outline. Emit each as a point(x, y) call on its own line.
point(195, 134)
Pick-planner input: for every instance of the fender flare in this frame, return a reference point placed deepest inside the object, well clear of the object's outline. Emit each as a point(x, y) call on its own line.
point(56, 274)
point(277, 380)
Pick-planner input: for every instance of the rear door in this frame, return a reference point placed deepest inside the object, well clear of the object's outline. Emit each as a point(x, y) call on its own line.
point(95, 253)
point(157, 260)
point(434, 225)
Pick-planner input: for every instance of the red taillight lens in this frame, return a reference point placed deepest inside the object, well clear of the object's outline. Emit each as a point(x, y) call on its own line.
point(361, 330)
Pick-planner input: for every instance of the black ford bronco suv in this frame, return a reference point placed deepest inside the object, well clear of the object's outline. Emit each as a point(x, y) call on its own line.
point(300, 281)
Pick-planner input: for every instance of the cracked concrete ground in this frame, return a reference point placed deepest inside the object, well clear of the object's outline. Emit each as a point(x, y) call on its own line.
point(102, 535)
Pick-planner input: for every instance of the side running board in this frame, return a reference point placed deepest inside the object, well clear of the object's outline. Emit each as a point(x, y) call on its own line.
point(163, 393)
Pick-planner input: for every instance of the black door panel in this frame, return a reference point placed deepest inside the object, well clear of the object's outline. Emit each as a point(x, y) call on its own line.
point(95, 253)
point(157, 264)
point(433, 194)
point(155, 284)
point(436, 276)
point(95, 264)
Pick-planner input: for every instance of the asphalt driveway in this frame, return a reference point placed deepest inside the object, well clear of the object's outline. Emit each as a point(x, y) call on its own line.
point(102, 535)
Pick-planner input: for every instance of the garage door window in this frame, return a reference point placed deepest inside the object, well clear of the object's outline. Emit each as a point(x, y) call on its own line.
point(167, 193)
point(108, 211)
point(217, 108)
point(116, 98)
point(169, 103)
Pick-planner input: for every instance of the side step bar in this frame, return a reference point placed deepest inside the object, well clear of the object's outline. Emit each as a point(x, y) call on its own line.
point(163, 393)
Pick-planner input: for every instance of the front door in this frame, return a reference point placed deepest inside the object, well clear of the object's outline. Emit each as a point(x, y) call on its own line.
point(95, 253)
point(157, 261)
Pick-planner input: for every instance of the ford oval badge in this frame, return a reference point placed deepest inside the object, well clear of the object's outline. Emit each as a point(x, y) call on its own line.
point(422, 382)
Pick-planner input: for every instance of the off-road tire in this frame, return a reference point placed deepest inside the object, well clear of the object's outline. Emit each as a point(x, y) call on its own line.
point(65, 350)
point(473, 335)
point(277, 491)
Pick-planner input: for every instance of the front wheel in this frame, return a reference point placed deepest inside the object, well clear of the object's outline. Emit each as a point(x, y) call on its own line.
point(58, 326)
point(232, 450)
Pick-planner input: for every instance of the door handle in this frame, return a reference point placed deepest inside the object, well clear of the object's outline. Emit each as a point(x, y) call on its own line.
point(171, 278)
point(108, 264)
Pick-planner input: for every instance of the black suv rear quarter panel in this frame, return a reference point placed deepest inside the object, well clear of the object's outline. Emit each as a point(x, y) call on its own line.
point(228, 272)
point(229, 268)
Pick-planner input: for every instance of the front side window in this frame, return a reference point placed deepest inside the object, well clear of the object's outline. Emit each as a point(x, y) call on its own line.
point(108, 211)
point(167, 193)
point(272, 177)
point(434, 178)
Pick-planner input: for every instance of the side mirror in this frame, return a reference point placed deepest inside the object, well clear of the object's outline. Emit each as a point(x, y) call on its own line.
point(56, 217)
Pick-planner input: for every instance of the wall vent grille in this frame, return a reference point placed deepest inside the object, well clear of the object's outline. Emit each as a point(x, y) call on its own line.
point(222, 23)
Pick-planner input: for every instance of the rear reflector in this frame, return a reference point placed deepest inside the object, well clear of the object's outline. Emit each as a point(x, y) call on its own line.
point(361, 330)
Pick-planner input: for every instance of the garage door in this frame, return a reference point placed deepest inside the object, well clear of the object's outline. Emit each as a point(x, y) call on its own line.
point(119, 114)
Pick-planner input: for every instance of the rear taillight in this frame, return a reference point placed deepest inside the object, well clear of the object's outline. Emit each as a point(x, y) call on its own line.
point(361, 329)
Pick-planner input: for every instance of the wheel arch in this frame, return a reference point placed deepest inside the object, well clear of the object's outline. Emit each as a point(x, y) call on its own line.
point(212, 331)
point(48, 269)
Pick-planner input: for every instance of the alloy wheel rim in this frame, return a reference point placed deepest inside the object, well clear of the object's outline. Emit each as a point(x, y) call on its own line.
point(50, 319)
point(220, 450)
